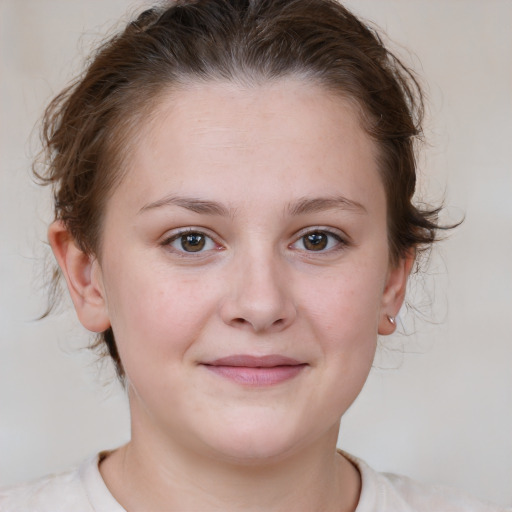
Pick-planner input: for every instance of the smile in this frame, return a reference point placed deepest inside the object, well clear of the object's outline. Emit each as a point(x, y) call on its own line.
point(256, 371)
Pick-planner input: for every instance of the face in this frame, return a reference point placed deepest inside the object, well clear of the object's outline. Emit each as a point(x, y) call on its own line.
point(245, 268)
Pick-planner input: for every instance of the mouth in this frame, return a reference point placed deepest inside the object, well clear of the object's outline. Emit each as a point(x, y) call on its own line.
point(256, 370)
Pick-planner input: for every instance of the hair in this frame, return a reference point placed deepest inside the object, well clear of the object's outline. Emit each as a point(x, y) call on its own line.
point(88, 128)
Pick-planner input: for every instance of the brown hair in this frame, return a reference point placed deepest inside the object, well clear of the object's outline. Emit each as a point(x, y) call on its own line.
point(87, 126)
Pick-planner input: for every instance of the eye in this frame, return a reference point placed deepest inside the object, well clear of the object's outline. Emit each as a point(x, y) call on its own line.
point(318, 241)
point(191, 241)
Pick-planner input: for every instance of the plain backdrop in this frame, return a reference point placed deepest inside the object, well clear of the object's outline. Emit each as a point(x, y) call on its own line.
point(437, 405)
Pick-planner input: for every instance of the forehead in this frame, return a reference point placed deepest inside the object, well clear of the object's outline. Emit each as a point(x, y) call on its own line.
point(237, 142)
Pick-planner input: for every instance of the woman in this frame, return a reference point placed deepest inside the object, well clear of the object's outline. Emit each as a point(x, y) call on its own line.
point(233, 199)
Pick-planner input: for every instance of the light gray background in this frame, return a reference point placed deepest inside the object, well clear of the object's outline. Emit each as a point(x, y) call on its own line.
point(438, 405)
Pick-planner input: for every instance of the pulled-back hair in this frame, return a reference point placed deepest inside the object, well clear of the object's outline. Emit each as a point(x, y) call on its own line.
point(91, 127)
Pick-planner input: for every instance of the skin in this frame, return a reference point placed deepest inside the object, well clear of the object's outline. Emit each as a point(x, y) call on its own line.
point(268, 164)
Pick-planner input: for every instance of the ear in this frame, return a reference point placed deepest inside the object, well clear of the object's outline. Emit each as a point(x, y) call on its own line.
point(394, 293)
point(83, 277)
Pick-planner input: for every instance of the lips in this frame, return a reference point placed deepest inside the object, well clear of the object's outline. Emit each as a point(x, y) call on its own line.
point(256, 370)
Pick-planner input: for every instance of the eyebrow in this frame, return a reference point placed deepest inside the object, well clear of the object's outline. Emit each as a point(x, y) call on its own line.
point(302, 206)
point(307, 205)
point(189, 203)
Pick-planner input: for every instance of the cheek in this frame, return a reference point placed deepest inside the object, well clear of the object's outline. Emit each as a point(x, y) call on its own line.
point(155, 316)
point(346, 304)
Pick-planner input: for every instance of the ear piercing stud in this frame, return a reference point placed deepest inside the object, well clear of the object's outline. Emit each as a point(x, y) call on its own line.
point(391, 319)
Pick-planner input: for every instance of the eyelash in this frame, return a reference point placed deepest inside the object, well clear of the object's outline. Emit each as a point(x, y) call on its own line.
point(168, 242)
point(339, 241)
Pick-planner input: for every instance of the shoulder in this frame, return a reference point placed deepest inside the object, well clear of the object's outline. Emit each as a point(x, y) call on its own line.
point(382, 492)
point(52, 493)
point(79, 490)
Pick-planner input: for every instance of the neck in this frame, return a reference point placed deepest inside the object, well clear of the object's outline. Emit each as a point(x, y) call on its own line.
point(152, 472)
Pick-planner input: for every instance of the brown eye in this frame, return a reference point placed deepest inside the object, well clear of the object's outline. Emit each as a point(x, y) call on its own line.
point(319, 241)
point(316, 241)
point(191, 242)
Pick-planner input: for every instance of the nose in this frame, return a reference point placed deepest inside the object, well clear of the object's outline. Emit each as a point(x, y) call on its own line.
point(259, 296)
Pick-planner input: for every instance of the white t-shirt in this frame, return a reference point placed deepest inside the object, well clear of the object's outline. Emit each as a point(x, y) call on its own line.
point(83, 490)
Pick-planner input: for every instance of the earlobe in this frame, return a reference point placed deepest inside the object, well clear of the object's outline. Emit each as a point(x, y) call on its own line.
point(83, 278)
point(394, 293)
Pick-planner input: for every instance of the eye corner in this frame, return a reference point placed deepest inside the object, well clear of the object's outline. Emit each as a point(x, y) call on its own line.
point(320, 240)
point(190, 242)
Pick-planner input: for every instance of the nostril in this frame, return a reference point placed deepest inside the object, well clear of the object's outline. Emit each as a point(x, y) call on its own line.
point(242, 322)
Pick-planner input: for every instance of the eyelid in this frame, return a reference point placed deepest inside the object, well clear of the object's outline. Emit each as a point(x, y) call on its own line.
point(342, 238)
point(324, 229)
point(175, 234)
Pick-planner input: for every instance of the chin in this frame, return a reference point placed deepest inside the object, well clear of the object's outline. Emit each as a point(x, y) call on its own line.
point(256, 442)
